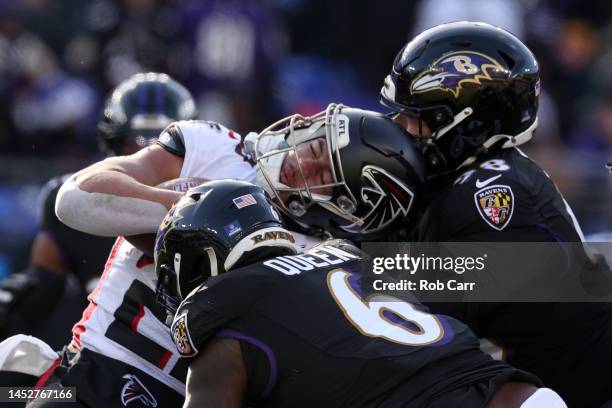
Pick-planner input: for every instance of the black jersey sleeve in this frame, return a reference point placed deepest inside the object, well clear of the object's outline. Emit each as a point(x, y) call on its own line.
point(215, 303)
point(48, 194)
point(258, 369)
point(172, 140)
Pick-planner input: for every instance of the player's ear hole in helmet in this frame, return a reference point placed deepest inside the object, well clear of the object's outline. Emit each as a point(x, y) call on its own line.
point(472, 87)
point(216, 226)
point(345, 170)
point(138, 109)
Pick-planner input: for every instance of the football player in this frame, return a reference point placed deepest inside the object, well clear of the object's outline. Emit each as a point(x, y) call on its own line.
point(272, 328)
point(468, 95)
point(364, 166)
point(134, 114)
point(123, 330)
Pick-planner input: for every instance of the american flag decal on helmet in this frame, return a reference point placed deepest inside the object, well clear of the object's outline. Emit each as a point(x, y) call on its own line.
point(244, 201)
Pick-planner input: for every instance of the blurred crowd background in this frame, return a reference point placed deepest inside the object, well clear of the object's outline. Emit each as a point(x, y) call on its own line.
point(249, 62)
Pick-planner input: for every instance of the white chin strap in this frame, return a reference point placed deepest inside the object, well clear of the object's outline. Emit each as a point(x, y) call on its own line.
point(460, 117)
point(267, 237)
point(272, 165)
point(511, 141)
point(522, 137)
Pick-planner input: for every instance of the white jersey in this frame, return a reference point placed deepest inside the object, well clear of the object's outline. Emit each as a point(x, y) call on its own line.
point(123, 321)
point(213, 152)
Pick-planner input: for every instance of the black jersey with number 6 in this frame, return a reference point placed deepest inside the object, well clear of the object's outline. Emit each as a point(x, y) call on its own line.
point(311, 337)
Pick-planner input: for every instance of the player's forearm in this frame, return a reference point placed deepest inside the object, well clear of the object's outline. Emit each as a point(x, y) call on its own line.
point(115, 182)
point(217, 377)
point(221, 399)
point(116, 197)
point(108, 214)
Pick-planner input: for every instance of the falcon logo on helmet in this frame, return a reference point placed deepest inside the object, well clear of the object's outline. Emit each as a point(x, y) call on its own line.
point(454, 70)
point(388, 198)
point(371, 170)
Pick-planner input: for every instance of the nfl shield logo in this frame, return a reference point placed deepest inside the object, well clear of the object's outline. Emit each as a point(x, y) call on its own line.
point(232, 228)
point(495, 204)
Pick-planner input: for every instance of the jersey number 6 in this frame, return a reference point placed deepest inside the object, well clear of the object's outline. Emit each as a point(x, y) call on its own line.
point(383, 316)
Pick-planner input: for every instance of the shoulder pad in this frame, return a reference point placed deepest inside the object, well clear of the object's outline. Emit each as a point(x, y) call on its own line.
point(171, 139)
point(485, 172)
point(213, 304)
point(343, 244)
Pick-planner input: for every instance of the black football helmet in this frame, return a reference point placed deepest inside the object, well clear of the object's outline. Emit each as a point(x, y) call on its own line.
point(474, 85)
point(375, 171)
point(214, 227)
point(138, 110)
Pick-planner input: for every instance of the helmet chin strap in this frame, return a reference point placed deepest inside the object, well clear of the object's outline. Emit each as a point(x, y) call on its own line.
point(269, 170)
point(268, 167)
point(212, 258)
point(435, 158)
point(510, 141)
point(460, 117)
point(522, 137)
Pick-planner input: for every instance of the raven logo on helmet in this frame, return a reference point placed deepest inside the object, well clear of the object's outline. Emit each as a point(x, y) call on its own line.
point(454, 70)
point(388, 198)
point(136, 390)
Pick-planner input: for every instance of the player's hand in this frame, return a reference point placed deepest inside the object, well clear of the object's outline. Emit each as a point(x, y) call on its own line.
point(174, 189)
